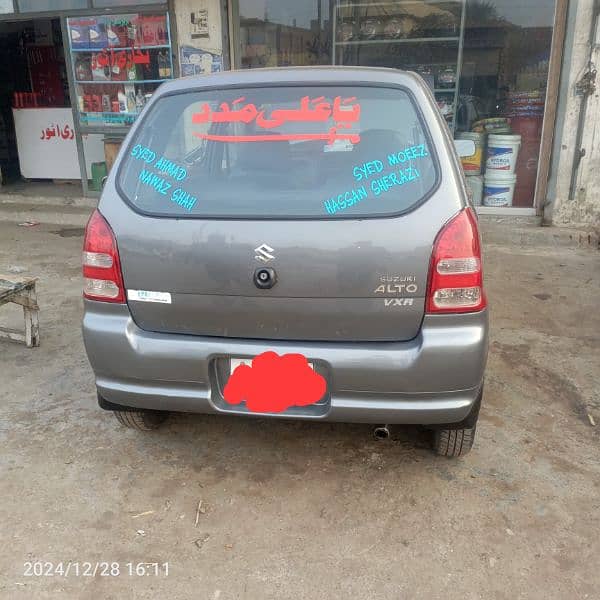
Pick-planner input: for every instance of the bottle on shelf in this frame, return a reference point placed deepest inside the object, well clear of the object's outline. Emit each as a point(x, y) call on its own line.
point(133, 33)
point(130, 95)
point(164, 65)
point(132, 74)
point(83, 69)
point(160, 61)
point(122, 101)
point(139, 100)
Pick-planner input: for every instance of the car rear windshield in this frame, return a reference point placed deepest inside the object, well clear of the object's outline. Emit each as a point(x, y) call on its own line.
point(268, 152)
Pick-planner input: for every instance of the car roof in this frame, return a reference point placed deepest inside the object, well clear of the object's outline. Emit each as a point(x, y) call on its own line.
point(295, 75)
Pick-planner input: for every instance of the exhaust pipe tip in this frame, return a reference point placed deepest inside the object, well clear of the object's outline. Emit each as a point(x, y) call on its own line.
point(381, 433)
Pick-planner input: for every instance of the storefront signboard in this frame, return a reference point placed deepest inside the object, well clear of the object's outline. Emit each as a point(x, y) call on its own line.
point(46, 144)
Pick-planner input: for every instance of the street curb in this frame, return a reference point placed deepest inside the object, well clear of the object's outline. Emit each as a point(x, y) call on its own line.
point(76, 216)
point(52, 201)
point(521, 233)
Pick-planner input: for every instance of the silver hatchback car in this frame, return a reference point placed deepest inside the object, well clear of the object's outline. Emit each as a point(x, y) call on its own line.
point(293, 243)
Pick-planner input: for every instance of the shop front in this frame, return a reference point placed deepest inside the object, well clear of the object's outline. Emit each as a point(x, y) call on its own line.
point(76, 75)
point(488, 64)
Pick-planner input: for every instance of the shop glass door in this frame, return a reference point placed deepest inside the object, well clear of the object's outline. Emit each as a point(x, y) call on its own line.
point(502, 101)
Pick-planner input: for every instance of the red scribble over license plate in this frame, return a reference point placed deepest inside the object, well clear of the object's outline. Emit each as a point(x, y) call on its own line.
point(270, 383)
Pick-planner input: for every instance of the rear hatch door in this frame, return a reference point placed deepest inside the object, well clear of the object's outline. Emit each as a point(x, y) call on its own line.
point(326, 187)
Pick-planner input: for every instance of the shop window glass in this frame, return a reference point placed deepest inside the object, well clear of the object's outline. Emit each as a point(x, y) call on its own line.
point(498, 87)
point(416, 35)
point(502, 93)
point(44, 5)
point(280, 33)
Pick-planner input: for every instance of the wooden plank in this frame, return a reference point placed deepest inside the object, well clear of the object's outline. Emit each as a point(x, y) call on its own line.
point(32, 330)
point(28, 327)
point(21, 291)
point(7, 292)
point(23, 299)
point(111, 149)
point(554, 70)
point(11, 334)
point(17, 278)
point(9, 286)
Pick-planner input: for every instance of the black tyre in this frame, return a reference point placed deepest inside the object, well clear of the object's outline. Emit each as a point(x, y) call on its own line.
point(454, 442)
point(146, 420)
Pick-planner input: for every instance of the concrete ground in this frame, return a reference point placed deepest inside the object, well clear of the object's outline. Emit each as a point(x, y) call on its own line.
point(296, 510)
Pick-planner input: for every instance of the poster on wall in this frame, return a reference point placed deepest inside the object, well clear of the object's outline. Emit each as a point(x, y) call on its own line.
point(194, 61)
point(199, 24)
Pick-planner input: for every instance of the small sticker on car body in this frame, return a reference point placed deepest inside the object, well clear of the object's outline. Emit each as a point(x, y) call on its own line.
point(148, 296)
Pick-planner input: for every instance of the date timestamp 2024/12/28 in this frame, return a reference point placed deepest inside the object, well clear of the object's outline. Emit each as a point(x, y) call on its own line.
point(41, 568)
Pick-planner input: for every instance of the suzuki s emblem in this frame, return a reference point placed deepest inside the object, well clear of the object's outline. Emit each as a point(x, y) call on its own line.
point(263, 253)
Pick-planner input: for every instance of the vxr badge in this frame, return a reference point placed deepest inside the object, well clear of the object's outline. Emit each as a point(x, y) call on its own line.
point(263, 253)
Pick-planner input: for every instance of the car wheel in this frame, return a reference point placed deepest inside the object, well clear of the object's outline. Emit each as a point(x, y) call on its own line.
point(142, 420)
point(454, 442)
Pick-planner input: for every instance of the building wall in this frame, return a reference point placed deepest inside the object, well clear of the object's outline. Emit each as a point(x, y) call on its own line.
point(583, 209)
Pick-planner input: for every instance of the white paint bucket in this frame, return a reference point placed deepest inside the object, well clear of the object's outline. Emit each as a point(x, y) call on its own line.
point(502, 153)
point(476, 184)
point(498, 189)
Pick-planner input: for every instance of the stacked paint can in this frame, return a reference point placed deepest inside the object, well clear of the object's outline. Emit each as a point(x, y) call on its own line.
point(472, 165)
point(501, 162)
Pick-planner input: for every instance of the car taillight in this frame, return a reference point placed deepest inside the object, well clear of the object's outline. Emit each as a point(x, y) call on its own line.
point(101, 266)
point(455, 273)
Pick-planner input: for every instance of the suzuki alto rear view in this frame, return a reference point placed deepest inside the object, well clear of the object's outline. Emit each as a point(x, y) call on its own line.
point(292, 243)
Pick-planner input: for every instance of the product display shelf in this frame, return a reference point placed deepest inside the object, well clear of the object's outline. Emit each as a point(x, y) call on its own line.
point(132, 47)
point(353, 14)
point(120, 82)
point(415, 40)
point(144, 49)
point(107, 112)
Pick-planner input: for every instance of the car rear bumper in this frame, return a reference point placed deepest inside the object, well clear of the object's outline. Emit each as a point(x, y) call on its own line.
point(434, 378)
